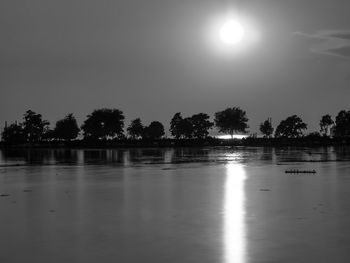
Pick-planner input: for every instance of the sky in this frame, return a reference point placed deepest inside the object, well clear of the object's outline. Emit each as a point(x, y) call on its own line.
point(154, 58)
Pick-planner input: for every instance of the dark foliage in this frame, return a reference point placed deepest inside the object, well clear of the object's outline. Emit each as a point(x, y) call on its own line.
point(313, 136)
point(135, 129)
point(13, 134)
point(154, 131)
point(104, 124)
point(104, 128)
point(266, 128)
point(292, 127)
point(231, 120)
point(196, 126)
point(186, 128)
point(175, 126)
point(325, 123)
point(66, 129)
point(34, 127)
point(201, 125)
point(342, 124)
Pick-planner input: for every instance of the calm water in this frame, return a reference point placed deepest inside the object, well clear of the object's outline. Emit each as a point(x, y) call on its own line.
point(175, 205)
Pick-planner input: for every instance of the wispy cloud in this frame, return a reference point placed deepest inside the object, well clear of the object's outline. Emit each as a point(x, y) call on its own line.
point(329, 42)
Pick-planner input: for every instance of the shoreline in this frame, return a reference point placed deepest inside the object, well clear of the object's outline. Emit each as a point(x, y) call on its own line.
point(193, 143)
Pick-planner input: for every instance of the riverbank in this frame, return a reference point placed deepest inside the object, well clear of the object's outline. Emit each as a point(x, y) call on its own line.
point(127, 143)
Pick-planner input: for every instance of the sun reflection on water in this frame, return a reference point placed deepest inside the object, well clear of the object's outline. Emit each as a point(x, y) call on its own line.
point(234, 214)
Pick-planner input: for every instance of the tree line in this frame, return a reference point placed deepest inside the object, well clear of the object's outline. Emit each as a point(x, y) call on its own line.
point(106, 124)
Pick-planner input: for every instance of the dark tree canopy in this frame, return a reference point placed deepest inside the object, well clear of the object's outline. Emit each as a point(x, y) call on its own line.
point(180, 127)
point(103, 124)
point(154, 131)
point(67, 128)
point(325, 123)
point(266, 128)
point(201, 125)
point(292, 127)
point(135, 129)
point(186, 128)
point(34, 127)
point(175, 126)
point(231, 120)
point(313, 136)
point(49, 135)
point(13, 134)
point(196, 126)
point(342, 124)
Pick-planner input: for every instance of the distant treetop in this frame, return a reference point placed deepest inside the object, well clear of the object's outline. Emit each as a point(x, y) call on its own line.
point(231, 121)
point(292, 127)
point(104, 123)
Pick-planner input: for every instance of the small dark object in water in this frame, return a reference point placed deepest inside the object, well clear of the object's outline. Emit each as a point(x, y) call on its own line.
point(52, 211)
point(265, 190)
point(27, 190)
point(3, 195)
point(300, 171)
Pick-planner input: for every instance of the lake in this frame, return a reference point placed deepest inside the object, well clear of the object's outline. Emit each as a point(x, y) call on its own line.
point(175, 205)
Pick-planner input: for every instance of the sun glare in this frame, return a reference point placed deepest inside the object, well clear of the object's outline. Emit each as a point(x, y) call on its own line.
point(231, 32)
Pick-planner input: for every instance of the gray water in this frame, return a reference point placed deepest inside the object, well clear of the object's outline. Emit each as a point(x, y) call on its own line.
point(175, 205)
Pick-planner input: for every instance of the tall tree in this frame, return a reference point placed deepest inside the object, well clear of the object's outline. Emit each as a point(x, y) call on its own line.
point(201, 125)
point(266, 128)
point(34, 126)
point(66, 129)
point(292, 127)
point(154, 131)
point(104, 123)
point(325, 123)
point(186, 128)
point(231, 120)
point(135, 128)
point(175, 125)
point(342, 124)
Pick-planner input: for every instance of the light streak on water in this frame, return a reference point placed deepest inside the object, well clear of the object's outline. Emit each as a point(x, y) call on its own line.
point(234, 214)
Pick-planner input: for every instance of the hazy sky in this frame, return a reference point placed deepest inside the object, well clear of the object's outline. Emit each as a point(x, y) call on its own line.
point(152, 58)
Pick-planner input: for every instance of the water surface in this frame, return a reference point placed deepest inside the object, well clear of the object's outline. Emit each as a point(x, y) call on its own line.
point(175, 205)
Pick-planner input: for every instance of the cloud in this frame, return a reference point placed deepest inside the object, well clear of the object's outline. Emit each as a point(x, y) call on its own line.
point(329, 42)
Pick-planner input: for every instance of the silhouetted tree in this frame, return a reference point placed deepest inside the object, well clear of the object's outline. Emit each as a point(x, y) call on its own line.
point(13, 134)
point(154, 131)
point(292, 127)
point(135, 129)
point(266, 128)
point(201, 125)
point(325, 123)
point(49, 134)
point(231, 120)
point(175, 128)
point(104, 123)
point(181, 127)
point(66, 129)
point(34, 127)
point(313, 136)
point(342, 124)
point(186, 128)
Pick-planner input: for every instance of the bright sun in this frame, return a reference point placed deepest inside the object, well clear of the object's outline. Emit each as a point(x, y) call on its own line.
point(231, 32)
